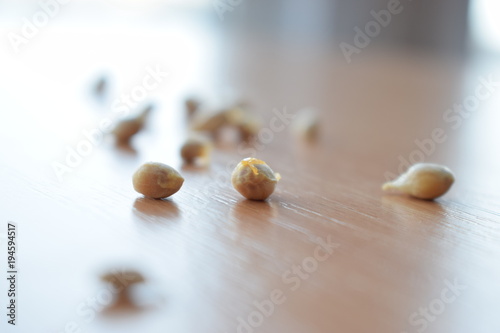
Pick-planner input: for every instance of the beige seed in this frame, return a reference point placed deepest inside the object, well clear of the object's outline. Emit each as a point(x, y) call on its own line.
point(213, 121)
point(254, 179)
point(306, 124)
point(127, 128)
point(423, 180)
point(209, 121)
point(248, 125)
point(196, 149)
point(157, 180)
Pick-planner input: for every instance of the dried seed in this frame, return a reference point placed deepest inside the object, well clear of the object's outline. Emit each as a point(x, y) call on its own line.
point(122, 282)
point(254, 179)
point(213, 121)
point(157, 180)
point(127, 128)
point(249, 126)
point(423, 180)
point(196, 149)
point(306, 124)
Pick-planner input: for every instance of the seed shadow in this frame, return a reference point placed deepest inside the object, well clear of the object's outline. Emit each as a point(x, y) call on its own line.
point(403, 200)
point(154, 211)
point(253, 217)
point(195, 167)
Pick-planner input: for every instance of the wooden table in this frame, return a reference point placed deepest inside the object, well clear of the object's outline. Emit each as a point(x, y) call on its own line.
point(328, 252)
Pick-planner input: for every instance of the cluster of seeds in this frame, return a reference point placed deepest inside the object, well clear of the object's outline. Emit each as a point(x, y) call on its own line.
point(238, 117)
point(253, 178)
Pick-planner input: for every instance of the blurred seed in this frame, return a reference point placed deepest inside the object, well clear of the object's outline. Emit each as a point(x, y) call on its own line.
point(122, 282)
point(306, 124)
point(196, 149)
point(101, 86)
point(254, 179)
point(157, 180)
point(213, 121)
point(126, 129)
point(123, 279)
point(248, 125)
point(192, 106)
point(423, 180)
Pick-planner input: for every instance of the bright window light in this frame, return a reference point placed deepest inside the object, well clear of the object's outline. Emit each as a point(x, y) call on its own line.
point(485, 25)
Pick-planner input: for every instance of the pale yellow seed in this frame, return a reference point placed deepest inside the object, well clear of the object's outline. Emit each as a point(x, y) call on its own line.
point(127, 128)
point(210, 121)
point(157, 180)
point(423, 180)
point(248, 125)
point(196, 149)
point(306, 124)
point(254, 179)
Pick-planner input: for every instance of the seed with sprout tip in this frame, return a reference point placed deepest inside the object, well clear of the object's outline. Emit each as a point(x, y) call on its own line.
point(127, 128)
point(157, 180)
point(423, 180)
point(254, 179)
point(196, 149)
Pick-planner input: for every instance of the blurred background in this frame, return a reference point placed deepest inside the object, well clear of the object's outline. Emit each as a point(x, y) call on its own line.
point(104, 36)
point(278, 53)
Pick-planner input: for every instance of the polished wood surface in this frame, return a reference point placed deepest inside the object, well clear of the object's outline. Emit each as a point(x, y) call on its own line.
point(208, 254)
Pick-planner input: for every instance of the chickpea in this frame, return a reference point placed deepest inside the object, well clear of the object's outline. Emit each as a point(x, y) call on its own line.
point(254, 179)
